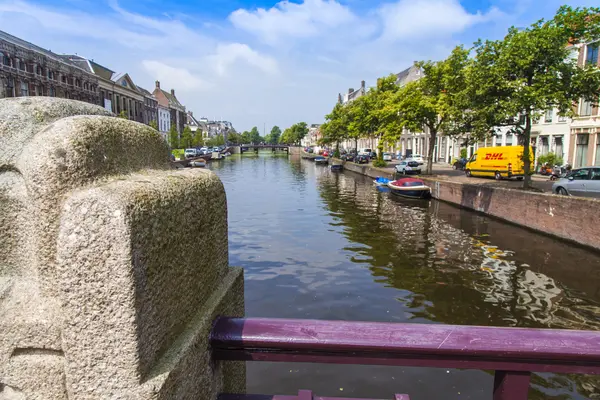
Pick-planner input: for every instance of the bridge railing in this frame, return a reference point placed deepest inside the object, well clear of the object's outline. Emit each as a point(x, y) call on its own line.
point(513, 353)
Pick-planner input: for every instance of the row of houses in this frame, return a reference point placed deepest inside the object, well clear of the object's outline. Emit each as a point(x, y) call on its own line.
point(576, 140)
point(29, 70)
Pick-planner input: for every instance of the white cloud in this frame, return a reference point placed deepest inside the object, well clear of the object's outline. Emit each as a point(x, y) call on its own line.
point(294, 20)
point(228, 54)
point(173, 76)
point(419, 19)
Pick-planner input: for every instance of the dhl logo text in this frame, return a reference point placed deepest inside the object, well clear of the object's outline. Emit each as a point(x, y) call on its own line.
point(493, 156)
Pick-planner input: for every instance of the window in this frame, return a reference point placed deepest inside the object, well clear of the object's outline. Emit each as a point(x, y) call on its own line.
point(586, 108)
point(24, 89)
point(52, 91)
point(548, 116)
point(544, 147)
point(21, 65)
point(597, 161)
point(558, 149)
point(509, 139)
point(473, 158)
point(581, 149)
point(592, 54)
point(596, 174)
point(562, 118)
point(581, 174)
point(5, 59)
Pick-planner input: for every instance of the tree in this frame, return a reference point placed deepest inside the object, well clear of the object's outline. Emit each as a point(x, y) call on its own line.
point(217, 140)
point(300, 130)
point(173, 137)
point(254, 136)
point(273, 137)
point(198, 140)
point(531, 70)
point(245, 137)
point(287, 136)
point(234, 138)
point(186, 138)
point(335, 129)
point(432, 102)
point(153, 124)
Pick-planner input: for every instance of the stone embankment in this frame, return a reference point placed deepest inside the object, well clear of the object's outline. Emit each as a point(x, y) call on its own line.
point(572, 218)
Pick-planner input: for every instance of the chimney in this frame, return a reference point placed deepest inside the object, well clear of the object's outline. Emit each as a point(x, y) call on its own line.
point(362, 85)
point(172, 92)
point(350, 90)
point(157, 84)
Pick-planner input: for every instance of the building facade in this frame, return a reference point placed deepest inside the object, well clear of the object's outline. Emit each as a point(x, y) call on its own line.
point(176, 109)
point(29, 70)
point(196, 126)
point(164, 121)
point(150, 107)
point(118, 92)
point(584, 143)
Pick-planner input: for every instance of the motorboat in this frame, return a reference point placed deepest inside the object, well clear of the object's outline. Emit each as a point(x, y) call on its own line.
point(200, 163)
point(337, 167)
point(321, 160)
point(410, 187)
point(381, 181)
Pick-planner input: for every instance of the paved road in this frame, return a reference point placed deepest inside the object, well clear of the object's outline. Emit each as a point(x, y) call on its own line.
point(542, 183)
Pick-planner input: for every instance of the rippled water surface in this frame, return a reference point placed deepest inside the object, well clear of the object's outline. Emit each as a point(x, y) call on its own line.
point(325, 245)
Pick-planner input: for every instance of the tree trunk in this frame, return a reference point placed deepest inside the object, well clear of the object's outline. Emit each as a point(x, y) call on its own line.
point(356, 145)
point(526, 151)
point(380, 149)
point(432, 136)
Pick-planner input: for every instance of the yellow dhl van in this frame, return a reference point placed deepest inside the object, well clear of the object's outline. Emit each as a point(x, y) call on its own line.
point(499, 162)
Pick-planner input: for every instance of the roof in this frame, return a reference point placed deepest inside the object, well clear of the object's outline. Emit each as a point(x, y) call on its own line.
point(145, 92)
point(28, 45)
point(191, 120)
point(172, 99)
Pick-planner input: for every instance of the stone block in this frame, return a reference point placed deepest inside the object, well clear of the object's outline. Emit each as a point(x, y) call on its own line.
point(113, 265)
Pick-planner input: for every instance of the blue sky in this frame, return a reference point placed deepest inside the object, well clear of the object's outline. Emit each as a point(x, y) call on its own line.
point(264, 62)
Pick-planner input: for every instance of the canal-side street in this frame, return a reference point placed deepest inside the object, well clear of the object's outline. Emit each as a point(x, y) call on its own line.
point(325, 245)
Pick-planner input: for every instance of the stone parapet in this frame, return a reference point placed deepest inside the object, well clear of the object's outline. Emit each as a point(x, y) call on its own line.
point(107, 290)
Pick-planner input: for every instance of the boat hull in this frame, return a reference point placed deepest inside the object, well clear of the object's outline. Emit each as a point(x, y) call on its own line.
point(411, 192)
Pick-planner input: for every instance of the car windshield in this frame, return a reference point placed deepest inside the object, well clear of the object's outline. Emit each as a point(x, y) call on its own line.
point(413, 164)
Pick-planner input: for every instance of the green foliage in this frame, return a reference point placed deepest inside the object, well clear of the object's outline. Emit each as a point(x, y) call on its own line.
point(254, 136)
point(173, 137)
point(550, 160)
point(294, 134)
point(198, 140)
point(463, 153)
point(153, 124)
point(186, 138)
point(274, 136)
point(178, 153)
point(123, 114)
point(217, 140)
point(379, 163)
point(514, 79)
point(234, 138)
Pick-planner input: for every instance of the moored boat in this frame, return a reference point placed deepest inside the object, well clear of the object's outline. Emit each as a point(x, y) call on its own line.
point(410, 187)
point(337, 167)
point(381, 181)
point(321, 160)
point(200, 163)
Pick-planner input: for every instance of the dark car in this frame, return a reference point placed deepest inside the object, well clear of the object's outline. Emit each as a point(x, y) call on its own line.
point(348, 157)
point(362, 159)
point(460, 164)
point(373, 155)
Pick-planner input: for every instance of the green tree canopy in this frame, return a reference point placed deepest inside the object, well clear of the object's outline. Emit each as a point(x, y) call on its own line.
point(514, 80)
point(186, 138)
point(234, 138)
point(173, 137)
point(295, 133)
point(217, 140)
point(274, 136)
point(254, 136)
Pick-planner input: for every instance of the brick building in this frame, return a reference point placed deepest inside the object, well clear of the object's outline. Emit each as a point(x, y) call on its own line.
point(150, 109)
point(29, 70)
point(176, 109)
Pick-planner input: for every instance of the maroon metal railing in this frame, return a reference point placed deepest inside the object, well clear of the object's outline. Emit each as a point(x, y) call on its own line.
point(512, 352)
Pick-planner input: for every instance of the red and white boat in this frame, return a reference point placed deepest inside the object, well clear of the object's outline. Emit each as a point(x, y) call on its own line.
point(410, 187)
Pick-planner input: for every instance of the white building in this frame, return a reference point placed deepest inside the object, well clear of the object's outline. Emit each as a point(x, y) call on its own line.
point(164, 121)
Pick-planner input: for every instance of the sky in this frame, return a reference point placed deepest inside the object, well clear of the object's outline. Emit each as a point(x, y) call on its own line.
point(258, 62)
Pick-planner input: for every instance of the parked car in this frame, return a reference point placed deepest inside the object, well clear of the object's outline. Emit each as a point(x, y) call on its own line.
point(387, 157)
point(362, 159)
point(415, 157)
point(459, 164)
point(373, 155)
point(498, 162)
point(348, 157)
point(583, 182)
point(364, 152)
point(408, 167)
point(189, 153)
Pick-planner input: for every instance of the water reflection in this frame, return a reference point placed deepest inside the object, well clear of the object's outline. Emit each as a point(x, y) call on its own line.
point(317, 244)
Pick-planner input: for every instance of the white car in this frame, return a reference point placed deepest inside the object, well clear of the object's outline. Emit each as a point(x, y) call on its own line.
point(416, 157)
point(408, 167)
point(364, 152)
point(189, 153)
point(387, 157)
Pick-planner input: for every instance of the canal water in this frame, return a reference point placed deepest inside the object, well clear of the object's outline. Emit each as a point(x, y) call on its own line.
point(326, 245)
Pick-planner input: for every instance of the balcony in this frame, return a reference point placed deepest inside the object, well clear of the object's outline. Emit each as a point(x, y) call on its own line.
point(513, 353)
